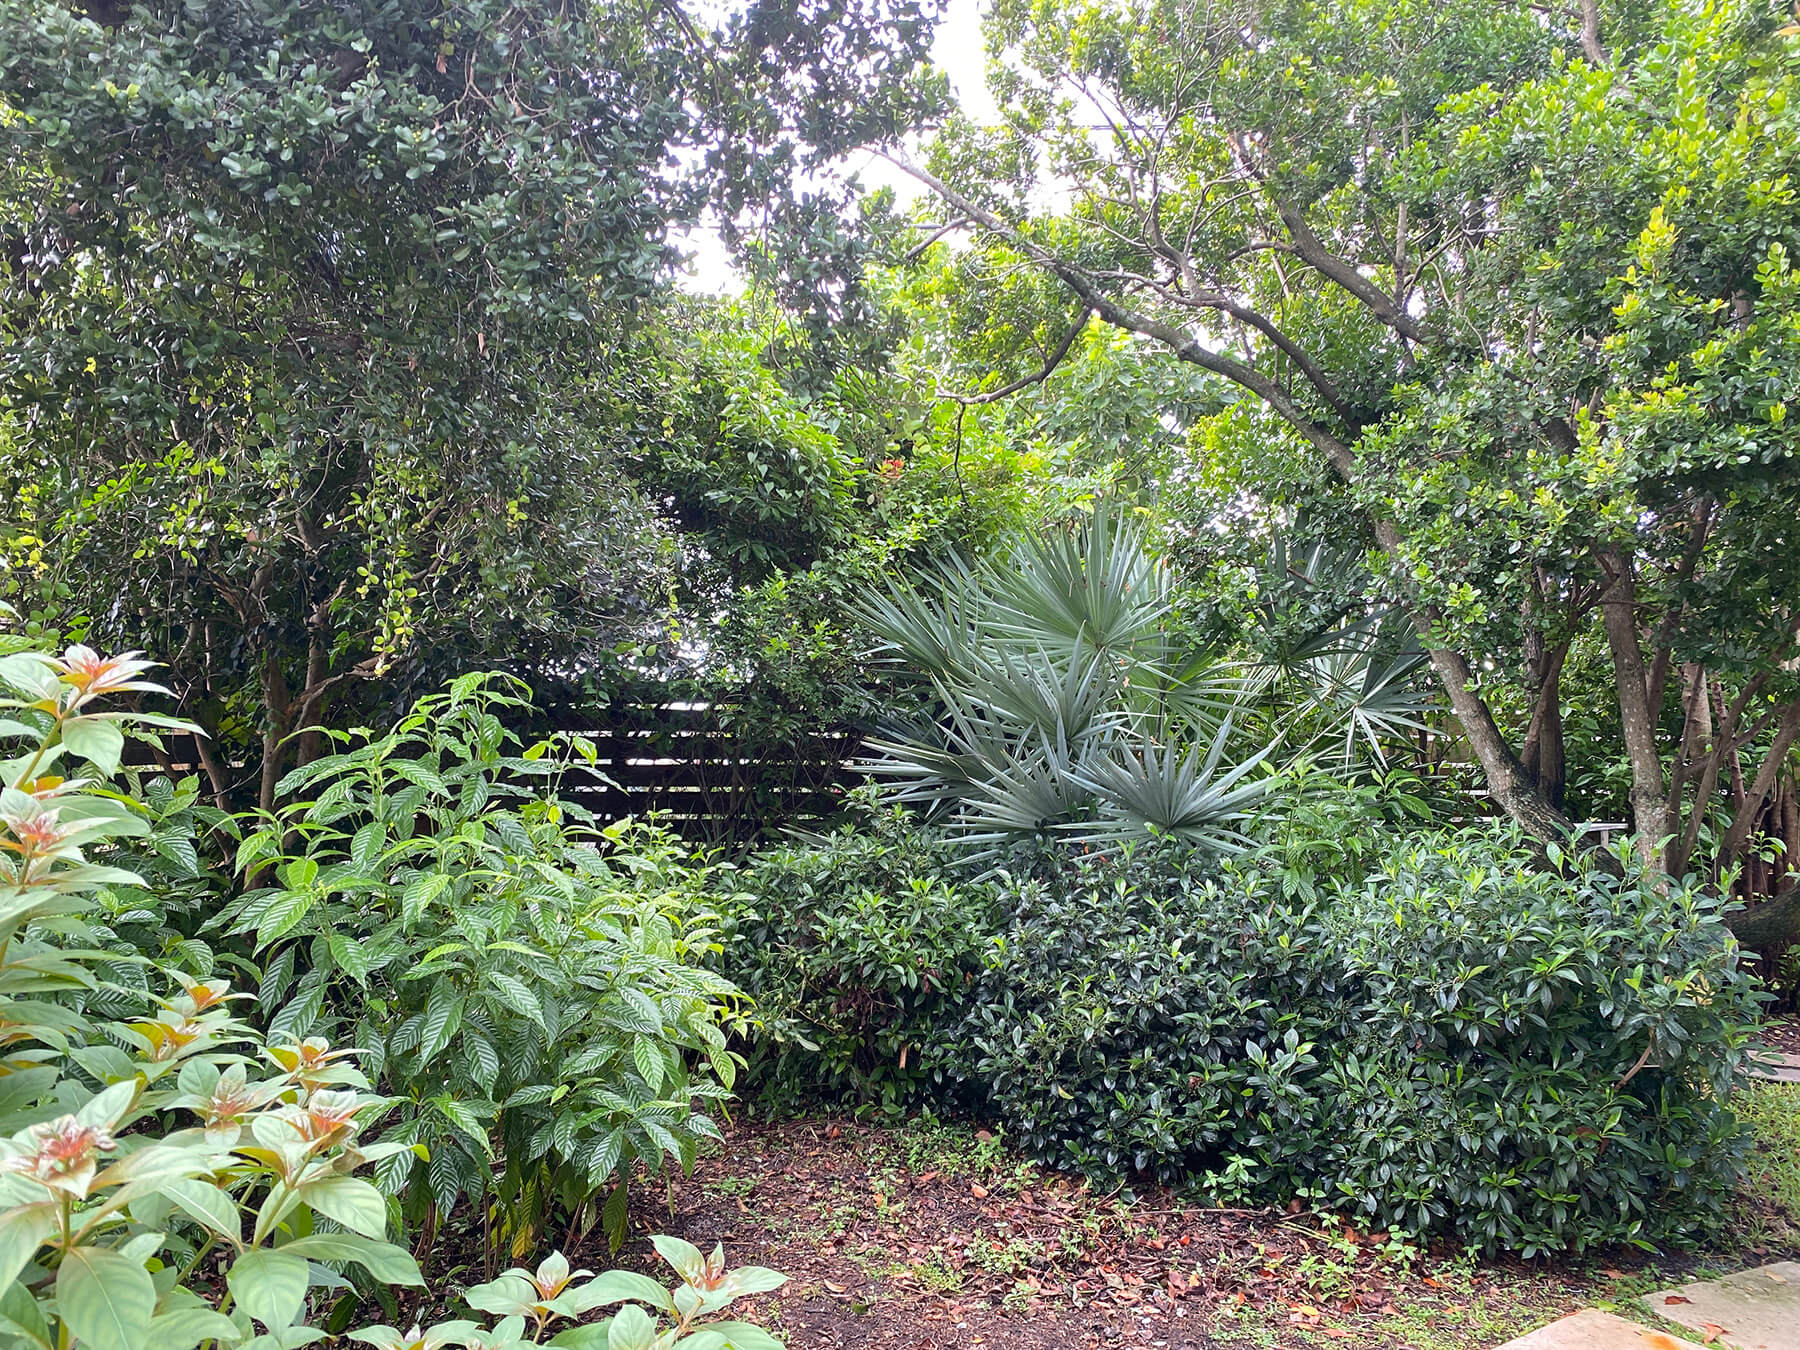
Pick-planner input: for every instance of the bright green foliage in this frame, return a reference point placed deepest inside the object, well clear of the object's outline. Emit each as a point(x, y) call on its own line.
point(552, 1299)
point(1455, 1044)
point(528, 986)
point(1508, 303)
point(855, 946)
point(136, 1142)
point(136, 1145)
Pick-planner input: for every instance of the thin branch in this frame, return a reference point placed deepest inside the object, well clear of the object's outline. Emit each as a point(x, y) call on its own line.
point(1182, 344)
point(1312, 250)
point(1038, 376)
point(1219, 302)
point(918, 251)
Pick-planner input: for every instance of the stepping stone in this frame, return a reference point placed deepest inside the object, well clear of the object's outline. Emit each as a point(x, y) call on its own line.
point(1591, 1330)
point(1752, 1310)
point(1776, 1067)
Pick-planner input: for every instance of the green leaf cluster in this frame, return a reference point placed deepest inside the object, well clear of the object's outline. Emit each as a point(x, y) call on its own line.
point(529, 986)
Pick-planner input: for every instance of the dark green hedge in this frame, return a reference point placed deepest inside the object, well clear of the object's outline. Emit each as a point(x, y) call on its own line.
point(1452, 1042)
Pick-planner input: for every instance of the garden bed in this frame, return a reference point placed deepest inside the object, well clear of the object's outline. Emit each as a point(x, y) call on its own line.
point(922, 1236)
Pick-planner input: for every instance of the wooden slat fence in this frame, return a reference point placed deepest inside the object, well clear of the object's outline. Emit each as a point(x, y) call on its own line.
point(716, 785)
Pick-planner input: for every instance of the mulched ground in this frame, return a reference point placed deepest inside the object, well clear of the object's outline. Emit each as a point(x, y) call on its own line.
point(916, 1239)
point(1783, 1034)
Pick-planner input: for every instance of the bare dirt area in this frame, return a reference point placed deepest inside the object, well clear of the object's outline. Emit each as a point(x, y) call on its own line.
point(1783, 1034)
point(924, 1237)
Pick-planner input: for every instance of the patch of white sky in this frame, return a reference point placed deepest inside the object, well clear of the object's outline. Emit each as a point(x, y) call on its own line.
point(960, 52)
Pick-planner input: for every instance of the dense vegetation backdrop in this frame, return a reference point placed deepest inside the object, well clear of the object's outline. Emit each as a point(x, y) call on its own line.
point(1251, 511)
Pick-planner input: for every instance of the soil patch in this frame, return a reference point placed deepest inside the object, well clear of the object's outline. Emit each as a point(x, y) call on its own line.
point(923, 1237)
point(1783, 1034)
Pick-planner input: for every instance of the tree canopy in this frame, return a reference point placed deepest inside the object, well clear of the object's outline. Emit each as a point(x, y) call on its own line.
point(315, 317)
point(1506, 290)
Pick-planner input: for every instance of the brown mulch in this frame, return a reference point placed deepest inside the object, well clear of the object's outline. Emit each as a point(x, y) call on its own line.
point(1783, 1034)
point(890, 1249)
point(925, 1237)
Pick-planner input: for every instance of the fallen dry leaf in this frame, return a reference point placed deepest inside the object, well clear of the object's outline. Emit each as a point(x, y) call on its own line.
point(1710, 1332)
point(979, 1192)
point(1677, 1298)
point(1613, 1274)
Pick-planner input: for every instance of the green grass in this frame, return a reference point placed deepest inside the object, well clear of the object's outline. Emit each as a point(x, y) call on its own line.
point(1771, 1207)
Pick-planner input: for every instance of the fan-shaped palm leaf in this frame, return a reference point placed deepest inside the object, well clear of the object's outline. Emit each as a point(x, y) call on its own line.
point(1171, 791)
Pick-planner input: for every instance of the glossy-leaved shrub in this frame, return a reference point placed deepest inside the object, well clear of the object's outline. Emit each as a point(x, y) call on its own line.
point(1460, 1042)
point(857, 947)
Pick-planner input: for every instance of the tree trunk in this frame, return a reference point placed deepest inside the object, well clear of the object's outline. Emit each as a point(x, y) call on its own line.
point(1618, 608)
point(1749, 812)
point(1542, 753)
point(278, 711)
point(215, 771)
point(1513, 790)
point(1770, 926)
point(1702, 746)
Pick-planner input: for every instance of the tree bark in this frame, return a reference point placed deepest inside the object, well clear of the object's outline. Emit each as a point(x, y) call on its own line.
point(1770, 926)
point(1542, 754)
point(1618, 608)
point(215, 771)
point(1749, 812)
point(1511, 786)
point(1590, 33)
point(1700, 747)
point(278, 711)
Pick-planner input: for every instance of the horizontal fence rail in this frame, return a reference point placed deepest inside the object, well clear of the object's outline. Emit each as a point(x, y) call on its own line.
point(715, 785)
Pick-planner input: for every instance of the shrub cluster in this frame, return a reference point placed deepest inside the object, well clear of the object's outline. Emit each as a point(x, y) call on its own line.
point(1444, 1040)
point(855, 948)
point(171, 1174)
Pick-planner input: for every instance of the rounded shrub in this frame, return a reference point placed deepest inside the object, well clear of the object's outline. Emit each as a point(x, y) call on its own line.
point(1457, 1042)
point(1534, 1060)
point(856, 946)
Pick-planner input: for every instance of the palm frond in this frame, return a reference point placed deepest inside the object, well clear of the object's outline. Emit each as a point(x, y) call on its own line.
point(1185, 793)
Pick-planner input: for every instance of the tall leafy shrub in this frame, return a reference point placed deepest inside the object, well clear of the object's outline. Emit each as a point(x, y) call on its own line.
point(530, 987)
point(144, 1127)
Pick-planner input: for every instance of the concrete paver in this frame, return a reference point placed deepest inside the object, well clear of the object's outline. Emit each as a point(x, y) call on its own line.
point(1752, 1310)
point(1777, 1067)
point(1592, 1330)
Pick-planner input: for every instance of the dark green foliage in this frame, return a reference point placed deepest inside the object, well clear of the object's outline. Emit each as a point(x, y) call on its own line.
point(1419, 1031)
point(1141, 1017)
point(315, 321)
point(857, 948)
point(1532, 1061)
point(1454, 1044)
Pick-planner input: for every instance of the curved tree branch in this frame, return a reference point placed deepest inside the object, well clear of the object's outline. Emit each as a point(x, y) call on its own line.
point(1038, 376)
